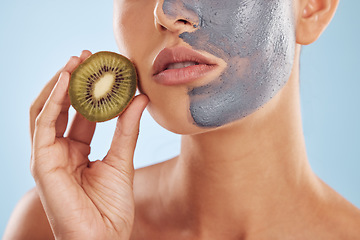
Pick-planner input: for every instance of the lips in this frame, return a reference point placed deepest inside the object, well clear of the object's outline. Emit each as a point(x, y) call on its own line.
point(180, 65)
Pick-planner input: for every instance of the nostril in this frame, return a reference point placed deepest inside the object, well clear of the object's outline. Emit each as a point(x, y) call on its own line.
point(174, 18)
point(183, 21)
point(178, 22)
point(186, 22)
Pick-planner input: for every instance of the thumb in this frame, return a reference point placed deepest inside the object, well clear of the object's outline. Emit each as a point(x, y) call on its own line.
point(121, 153)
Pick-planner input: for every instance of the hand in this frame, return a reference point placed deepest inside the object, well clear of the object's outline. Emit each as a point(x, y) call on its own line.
point(83, 199)
point(39, 102)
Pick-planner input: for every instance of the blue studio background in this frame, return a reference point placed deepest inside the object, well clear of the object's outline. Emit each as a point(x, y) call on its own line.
point(38, 37)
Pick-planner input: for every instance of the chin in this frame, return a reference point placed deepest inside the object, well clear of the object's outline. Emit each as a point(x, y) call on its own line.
point(175, 121)
point(181, 123)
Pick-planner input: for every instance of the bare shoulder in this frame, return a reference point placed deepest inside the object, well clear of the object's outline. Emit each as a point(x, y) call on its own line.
point(28, 220)
point(146, 192)
point(342, 218)
point(349, 220)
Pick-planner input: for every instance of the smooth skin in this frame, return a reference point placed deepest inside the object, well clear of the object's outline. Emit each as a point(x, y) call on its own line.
point(97, 194)
point(246, 180)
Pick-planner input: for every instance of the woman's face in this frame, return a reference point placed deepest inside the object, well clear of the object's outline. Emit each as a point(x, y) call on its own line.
point(246, 52)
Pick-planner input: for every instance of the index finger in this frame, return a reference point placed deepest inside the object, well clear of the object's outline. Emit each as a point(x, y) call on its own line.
point(45, 125)
point(45, 92)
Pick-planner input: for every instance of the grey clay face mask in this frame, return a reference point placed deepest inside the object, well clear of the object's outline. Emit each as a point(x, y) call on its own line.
point(257, 40)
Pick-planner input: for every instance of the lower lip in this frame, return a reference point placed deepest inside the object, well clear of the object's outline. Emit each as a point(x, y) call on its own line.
point(185, 75)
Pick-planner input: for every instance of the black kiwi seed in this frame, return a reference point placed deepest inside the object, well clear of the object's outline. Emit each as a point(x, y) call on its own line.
point(103, 86)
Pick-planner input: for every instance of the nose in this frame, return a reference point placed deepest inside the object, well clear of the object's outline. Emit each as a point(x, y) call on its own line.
point(175, 16)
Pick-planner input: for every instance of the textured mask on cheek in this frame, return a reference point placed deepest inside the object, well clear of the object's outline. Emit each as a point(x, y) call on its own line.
point(256, 38)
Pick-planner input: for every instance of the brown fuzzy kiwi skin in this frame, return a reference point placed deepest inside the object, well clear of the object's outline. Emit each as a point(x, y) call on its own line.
point(76, 104)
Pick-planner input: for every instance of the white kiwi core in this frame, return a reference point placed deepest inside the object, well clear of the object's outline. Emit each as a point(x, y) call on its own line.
point(103, 85)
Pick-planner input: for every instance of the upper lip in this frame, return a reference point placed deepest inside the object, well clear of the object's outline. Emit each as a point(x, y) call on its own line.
point(176, 55)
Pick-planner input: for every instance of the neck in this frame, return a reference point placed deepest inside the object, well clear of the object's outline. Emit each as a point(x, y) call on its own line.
point(257, 166)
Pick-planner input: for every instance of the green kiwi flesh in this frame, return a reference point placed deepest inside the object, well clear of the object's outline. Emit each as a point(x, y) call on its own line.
point(102, 86)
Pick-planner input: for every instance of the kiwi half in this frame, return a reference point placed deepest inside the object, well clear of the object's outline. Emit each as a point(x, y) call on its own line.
point(102, 86)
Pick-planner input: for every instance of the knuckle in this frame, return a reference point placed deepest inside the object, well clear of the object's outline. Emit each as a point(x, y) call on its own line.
point(33, 168)
point(44, 121)
point(35, 172)
point(125, 133)
point(38, 121)
point(129, 132)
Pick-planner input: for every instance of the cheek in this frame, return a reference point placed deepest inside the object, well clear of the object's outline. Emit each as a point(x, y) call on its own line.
point(138, 39)
point(133, 21)
point(170, 109)
point(258, 45)
point(136, 36)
